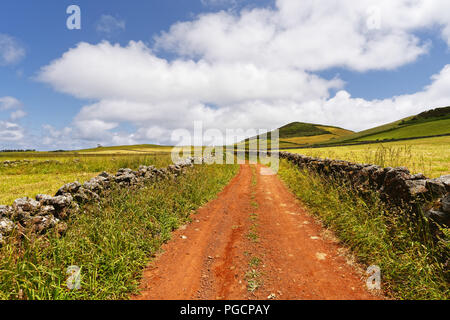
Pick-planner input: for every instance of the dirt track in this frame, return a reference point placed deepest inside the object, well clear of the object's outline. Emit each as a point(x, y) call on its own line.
point(254, 241)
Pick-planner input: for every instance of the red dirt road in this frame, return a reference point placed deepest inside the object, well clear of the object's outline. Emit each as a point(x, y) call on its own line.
point(255, 241)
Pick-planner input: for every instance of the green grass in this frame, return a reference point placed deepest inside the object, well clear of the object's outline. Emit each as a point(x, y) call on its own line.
point(429, 123)
point(111, 243)
point(41, 177)
point(425, 129)
point(366, 133)
point(128, 149)
point(254, 280)
point(399, 243)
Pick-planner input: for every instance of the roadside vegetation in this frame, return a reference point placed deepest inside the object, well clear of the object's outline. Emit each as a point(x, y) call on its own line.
point(430, 156)
point(50, 171)
point(412, 264)
point(111, 243)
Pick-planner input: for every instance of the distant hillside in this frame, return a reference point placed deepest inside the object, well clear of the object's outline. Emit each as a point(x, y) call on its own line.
point(142, 148)
point(301, 129)
point(297, 134)
point(434, 113)
point(429, 123)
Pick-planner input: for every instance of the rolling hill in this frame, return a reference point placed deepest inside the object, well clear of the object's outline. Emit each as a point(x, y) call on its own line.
point(430, 123)
point(298, 134)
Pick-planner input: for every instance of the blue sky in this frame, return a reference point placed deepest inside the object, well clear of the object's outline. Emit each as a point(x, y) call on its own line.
point(355, 78)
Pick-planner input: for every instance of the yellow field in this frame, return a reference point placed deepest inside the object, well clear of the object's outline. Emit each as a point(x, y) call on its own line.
point(335, 133)
point(430, 156)
point(29, 185)
point(28, 180)
point(126, 150)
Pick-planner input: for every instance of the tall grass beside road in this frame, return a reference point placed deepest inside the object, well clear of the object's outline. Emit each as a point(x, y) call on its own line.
point(111, 243)
point(412, 264)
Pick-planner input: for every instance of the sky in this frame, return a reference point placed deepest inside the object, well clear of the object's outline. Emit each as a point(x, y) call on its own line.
point(138, 70)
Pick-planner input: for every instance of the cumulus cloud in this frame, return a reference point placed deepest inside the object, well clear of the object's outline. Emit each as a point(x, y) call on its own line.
point(109, 25)
point(12, 105)
point(18, 114)
point(144, 77)
point(312, 35)
point(10, 132)
point(11, 51)
point(7, 103)
point(252, 69)
point(58, 139)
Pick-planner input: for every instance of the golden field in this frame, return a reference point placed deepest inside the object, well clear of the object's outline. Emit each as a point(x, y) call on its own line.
point(430, 156)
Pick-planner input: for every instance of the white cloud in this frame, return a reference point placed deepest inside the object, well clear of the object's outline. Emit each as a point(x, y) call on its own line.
point(11, 51)
point(142, 76)
point(250, 70)
point(11, 103)
point(10, 132)
point(109, 25)
point(18, 114)
point(7, 103)
point(313, 35)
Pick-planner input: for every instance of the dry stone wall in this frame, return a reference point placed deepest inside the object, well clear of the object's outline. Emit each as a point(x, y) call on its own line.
point(44, 212)
point(15, 163)
point(396, 186)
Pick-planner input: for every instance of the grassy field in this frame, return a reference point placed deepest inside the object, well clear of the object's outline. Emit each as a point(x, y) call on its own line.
point(428, 123)
point(412, 265)
point(142, 148)
point(416, 130)
point(334, 133)
point(111, 243)
point(430, 156)
point(47, 177)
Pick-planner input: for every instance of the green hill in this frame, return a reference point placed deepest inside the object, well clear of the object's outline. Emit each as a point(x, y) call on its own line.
point(298, 134)
point(301, 129)
point(426, 124)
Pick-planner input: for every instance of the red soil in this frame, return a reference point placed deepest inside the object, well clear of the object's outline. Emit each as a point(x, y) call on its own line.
point(210, 258)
